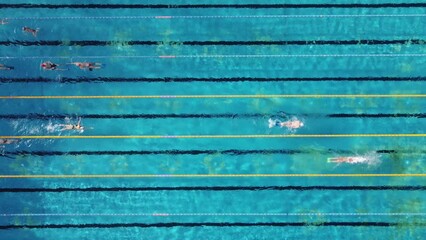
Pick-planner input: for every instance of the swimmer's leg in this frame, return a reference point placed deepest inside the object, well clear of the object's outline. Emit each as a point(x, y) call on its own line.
point(273, 123)
point(61, 69)
point(65, 128)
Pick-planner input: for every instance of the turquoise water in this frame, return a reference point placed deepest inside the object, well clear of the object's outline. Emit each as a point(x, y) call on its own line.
point(214, 208)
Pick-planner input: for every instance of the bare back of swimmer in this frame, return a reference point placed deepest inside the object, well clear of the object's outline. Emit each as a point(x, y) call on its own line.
point(31, 30)
point(87, 65)
point(51, 66)
point(77, 127)
point(291, 124)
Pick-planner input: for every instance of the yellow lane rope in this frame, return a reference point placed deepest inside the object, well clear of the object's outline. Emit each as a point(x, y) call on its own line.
point(224, 96)
point(214, 136)
point(215, 175)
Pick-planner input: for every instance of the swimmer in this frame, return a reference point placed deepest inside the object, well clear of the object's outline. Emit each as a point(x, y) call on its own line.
point(3, 22)
point(77, 126)
point(7, 141)
point(291, 124)
point(350, 160)
point(87, 65)
point(3, 67)
point(371, 159)
point(51, 66)
point(30, 30)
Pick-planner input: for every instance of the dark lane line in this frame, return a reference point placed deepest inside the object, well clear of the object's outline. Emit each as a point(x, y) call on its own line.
point(208, 115)
point(151, 152)
point(212, 43)
point(377, 115)
point(194, 79)
point(216, 188)
point(230, 6)
point(216, 224)
point(232, 152)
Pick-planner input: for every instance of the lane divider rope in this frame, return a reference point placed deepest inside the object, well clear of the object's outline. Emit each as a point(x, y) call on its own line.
point(163, 214)
point(222, 96)
point(210, 136)
point(392, 55)
point(212, 175)
point(223, 16)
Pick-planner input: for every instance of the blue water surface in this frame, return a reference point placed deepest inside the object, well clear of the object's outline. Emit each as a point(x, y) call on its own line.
point(165, 206)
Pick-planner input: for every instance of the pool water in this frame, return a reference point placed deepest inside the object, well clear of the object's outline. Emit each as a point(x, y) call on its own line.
point(190, 155)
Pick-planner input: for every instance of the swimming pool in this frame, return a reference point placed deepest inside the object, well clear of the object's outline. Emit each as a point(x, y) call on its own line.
point(177, 143)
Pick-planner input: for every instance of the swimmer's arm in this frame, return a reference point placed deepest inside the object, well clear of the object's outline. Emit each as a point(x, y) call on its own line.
point(96, 66)
point(65, 127)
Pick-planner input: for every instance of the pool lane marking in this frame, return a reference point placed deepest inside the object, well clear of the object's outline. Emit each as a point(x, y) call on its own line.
point(219, 188)
point(230, 152)
point(222, 224)
point(231, 214)
point(208, 115)
point(217, 6)
point(221, 96)
point(212, 175)
point(161, 17)
point(213, 43)
point(215, 79)
point(212, 136)
point(224, 56)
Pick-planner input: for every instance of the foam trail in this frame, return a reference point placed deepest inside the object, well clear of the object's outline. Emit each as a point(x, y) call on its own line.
point(373, 159)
